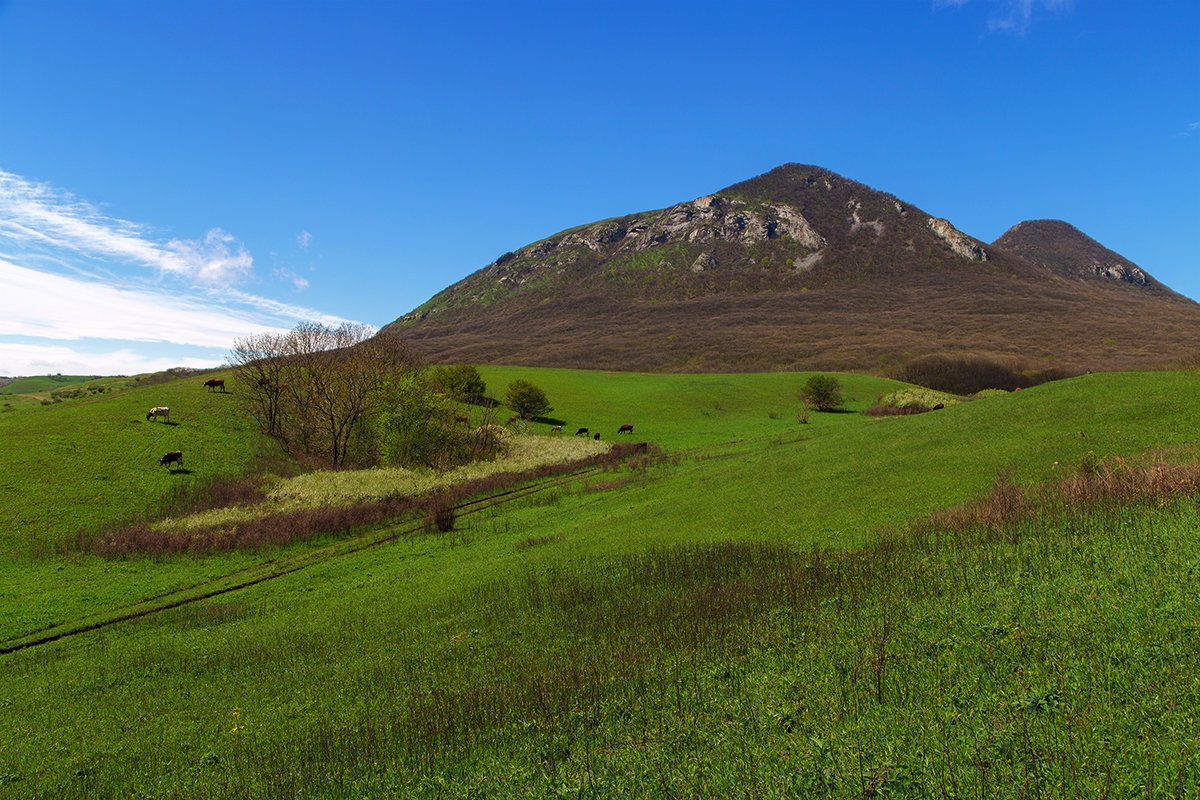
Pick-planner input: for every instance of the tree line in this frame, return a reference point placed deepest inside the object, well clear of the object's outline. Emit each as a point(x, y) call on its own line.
point(347, 396)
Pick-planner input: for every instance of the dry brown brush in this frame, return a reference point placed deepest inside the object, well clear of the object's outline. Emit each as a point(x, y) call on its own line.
point(1096, 484)
point(437, 510)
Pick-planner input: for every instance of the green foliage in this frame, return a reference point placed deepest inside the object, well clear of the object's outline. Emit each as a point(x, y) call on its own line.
point(822, 392)
point(101, 458)
point(461, 381)
point(912, 400)
point(415, 426)
point(526, 400)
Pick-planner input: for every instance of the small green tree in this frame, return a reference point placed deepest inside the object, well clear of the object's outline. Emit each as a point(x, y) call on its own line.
point(461, 381)
point(822, 392)
point(526, 400)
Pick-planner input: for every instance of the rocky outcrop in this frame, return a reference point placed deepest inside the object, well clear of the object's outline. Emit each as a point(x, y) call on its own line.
point(707, 219)
point(857, 223)
point(959, 242)
point(1121, 272)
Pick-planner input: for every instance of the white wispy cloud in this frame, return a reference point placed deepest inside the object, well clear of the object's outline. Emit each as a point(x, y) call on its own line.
point(215, 260)
point(39, 359)
point(304, 239)
point(285, 274)
point(37, 304)
point(1015, 15)
point(69, 272)
point(1011, 16)
point(38, 215)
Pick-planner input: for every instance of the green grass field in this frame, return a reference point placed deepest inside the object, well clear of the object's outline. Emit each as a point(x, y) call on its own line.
point(738, 614)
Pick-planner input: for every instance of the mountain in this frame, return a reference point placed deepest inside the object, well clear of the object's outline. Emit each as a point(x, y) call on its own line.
point(801, 268)
point(1064, 250)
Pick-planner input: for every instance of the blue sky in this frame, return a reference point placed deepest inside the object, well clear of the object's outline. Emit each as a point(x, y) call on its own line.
point(177, 173)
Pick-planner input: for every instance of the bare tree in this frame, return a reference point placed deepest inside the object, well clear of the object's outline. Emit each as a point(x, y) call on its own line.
point(259, 362)
point(316, 385)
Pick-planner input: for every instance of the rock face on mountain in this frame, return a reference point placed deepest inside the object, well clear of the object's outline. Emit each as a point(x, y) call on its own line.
point(958, 241)
point(801, 268)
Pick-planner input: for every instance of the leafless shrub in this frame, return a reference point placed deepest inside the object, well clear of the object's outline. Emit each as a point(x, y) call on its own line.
point(880, 410)
point(439, 515)
point(535, 541)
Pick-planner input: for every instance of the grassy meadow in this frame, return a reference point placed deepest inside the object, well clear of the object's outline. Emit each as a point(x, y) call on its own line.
point(996, 599)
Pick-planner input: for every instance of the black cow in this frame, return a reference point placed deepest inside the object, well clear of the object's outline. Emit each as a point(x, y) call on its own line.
point(581, 432)
point(173, 457)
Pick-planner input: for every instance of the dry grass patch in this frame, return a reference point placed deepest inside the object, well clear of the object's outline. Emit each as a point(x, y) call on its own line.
point(335, 489)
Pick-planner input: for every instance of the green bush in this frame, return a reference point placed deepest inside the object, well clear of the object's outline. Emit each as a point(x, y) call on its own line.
point(416, 427)
point(461, 381)
point(526, 400)
point(822, 392)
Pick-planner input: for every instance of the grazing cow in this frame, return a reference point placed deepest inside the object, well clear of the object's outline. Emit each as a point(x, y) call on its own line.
point(215, 383)
point(596, 437)
point(625, 429)
point(581, 432)
point(173, 457)
point(159, 411)
point(556, 429)
point(511, 420)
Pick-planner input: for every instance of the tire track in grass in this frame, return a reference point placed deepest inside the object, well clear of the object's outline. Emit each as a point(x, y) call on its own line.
point(285, 566)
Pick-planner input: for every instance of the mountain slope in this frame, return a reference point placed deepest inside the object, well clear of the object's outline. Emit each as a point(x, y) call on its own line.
point(1065, 250)
point(799, 268)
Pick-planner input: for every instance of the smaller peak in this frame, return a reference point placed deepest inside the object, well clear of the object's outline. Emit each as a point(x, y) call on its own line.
point(1056, 226)
point(1069, 252)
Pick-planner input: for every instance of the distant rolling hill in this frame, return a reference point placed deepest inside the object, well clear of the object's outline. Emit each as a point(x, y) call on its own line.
point(798, 269)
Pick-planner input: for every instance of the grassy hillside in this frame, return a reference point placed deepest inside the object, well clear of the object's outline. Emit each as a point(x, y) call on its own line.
point(43, 383)
point(668, 629)
point(84, 465)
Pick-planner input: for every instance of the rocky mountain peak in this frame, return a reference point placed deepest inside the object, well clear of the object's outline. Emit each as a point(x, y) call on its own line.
point(799, 268)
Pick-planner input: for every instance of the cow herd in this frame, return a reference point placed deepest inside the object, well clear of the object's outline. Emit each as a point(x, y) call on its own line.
point(162, 412)
point(626, 428)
